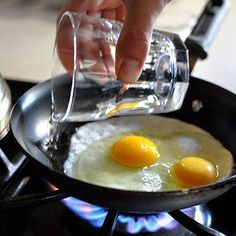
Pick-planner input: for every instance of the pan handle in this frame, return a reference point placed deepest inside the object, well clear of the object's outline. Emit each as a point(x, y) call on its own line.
point(205, 30)
point(32, 199)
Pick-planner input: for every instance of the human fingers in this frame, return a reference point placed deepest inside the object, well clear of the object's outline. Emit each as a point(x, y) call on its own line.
point(90, 5)
point(134, 40)
point(113, 9)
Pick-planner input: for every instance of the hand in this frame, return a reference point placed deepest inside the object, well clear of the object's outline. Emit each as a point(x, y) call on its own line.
point(138, 16)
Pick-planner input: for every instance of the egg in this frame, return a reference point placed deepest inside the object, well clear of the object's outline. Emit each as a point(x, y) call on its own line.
point(126, 106)
point(146, 153)
point(193, 172)
point(134, 151)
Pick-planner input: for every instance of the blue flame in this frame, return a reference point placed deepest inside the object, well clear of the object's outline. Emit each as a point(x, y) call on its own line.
point(94, 214)
point(132, 224)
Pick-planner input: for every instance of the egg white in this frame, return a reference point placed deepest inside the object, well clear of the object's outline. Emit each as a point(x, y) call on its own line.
point(89, 159)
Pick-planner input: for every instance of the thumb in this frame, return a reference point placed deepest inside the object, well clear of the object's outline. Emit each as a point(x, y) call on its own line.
point(133, 44)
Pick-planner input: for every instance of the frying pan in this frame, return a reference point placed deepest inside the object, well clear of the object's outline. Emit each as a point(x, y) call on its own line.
point(217, 115)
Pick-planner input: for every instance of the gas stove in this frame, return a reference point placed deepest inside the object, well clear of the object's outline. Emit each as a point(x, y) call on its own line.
point(32, 208)
point(31, 215)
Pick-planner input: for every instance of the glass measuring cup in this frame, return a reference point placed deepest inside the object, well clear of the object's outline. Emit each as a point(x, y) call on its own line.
point(84, 83)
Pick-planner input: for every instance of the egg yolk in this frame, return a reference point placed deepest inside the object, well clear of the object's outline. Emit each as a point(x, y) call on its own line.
point(124, 106)
point(193, 172)
point(134, 151)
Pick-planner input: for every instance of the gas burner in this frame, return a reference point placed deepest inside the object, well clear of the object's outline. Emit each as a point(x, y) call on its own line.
point(137, 223)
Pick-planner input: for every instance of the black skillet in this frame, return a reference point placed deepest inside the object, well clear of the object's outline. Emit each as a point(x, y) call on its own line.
point(206, 105)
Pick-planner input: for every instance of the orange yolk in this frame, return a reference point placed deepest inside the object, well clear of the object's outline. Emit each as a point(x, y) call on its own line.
point(193, 172)
point(124, 106)
point(134, 151)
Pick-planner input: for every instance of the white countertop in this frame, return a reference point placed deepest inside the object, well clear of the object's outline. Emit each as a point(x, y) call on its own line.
point(28, 32)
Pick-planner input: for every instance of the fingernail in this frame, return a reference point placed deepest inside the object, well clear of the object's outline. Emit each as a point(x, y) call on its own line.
point(129, 71)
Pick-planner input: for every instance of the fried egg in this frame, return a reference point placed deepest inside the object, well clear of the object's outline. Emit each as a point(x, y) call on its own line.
point(193, 172)
point(134, 151)
point(146, 153)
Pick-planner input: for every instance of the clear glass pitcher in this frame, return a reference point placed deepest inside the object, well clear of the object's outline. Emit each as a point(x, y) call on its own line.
point(84, 83)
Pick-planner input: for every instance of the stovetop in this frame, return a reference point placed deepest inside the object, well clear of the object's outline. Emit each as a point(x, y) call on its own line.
point(71, 216)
